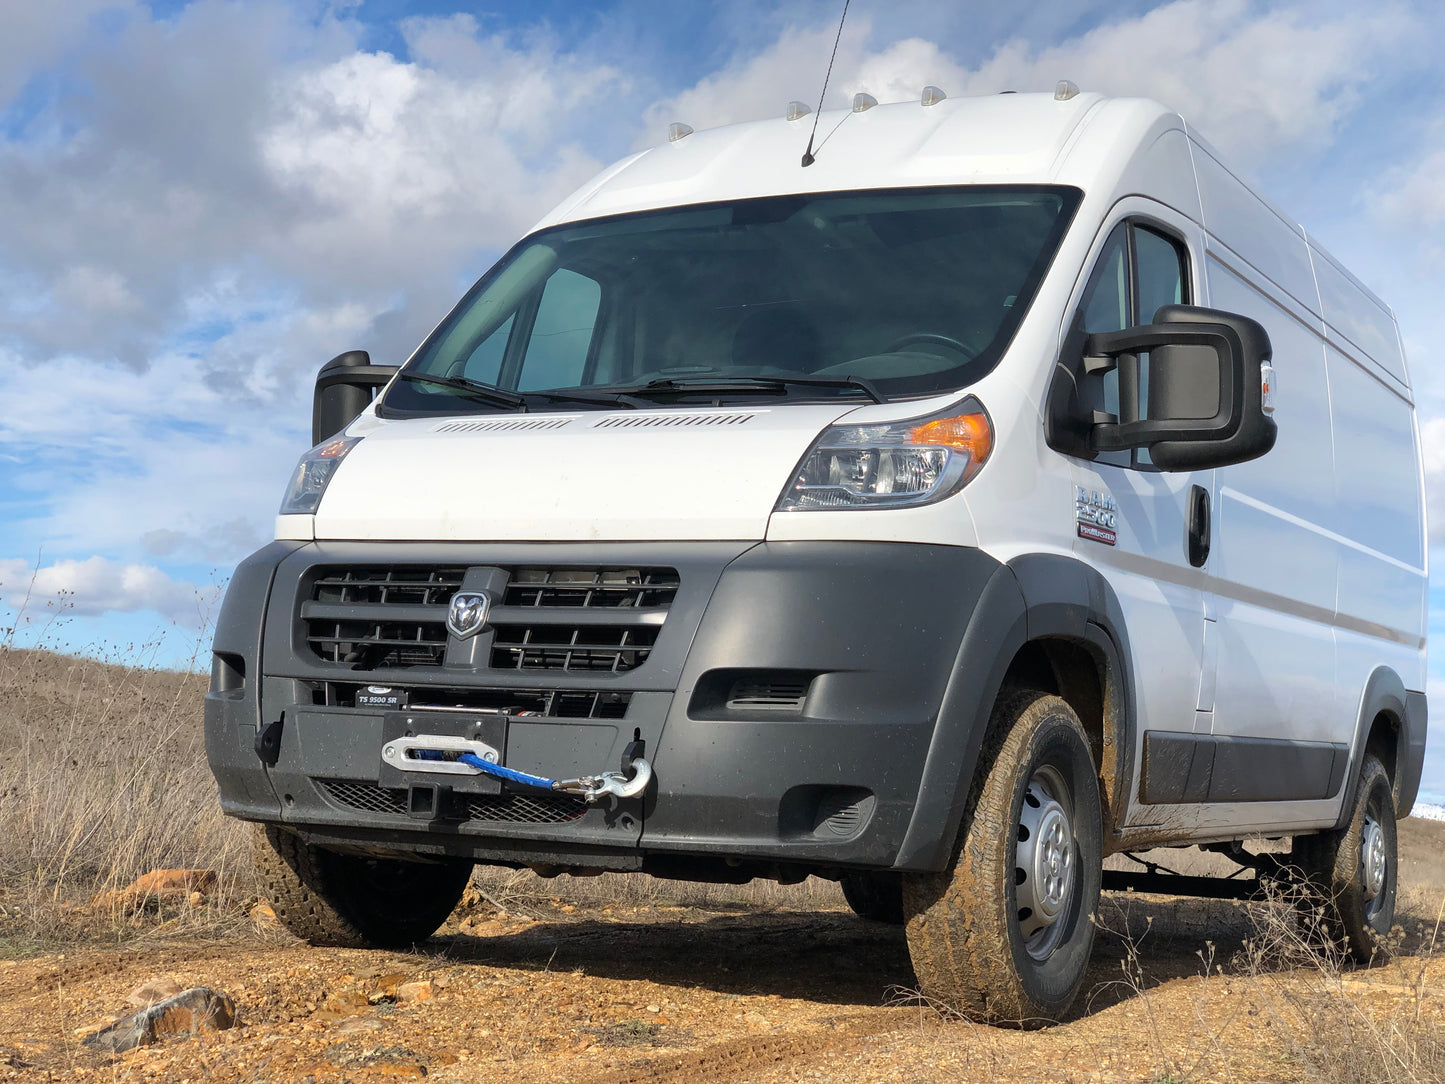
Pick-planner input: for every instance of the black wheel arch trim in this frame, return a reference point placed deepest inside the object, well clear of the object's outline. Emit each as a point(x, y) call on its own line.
point(1033, 597)
point(1385, 694)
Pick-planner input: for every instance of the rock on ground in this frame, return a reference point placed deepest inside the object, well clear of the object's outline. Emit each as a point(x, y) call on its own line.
point(187, 1013)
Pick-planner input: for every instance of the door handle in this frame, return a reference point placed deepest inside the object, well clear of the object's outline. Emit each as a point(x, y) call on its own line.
point(1198, 542)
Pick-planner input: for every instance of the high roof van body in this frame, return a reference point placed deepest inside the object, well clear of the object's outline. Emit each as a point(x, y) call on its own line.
point(1010, 487)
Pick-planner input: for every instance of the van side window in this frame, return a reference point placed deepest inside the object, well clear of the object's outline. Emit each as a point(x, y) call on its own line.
point(1106, 302)
point(1161, 273)
point(1139, 271)
point(561, 332)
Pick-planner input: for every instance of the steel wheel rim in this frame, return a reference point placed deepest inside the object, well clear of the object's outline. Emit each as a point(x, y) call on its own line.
point(1374, 864)
point(1046, 866)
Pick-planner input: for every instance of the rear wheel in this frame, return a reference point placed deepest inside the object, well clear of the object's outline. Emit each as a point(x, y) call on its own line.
point(875, 896)
point(1355, 867)
point(1006, 932)
point(346, 900)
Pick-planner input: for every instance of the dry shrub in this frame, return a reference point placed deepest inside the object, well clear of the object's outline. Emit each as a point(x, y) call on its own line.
point(1344, 1024)
point(103, 778)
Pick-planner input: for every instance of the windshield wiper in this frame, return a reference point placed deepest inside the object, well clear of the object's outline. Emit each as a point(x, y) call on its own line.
point(471, 389)
point(759, 385)
point(600, 396)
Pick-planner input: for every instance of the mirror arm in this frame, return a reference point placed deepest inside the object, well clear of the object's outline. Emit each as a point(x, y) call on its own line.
point(345, 387)
point(369, 376)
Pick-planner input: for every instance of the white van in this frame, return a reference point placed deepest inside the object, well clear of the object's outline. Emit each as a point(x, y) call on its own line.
point(926, 517)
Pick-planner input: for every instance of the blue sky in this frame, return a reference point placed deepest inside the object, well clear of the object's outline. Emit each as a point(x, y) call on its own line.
point(200, 202)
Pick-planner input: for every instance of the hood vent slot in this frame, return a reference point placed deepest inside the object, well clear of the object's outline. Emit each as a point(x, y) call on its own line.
point(504, 425)
point(661, 421)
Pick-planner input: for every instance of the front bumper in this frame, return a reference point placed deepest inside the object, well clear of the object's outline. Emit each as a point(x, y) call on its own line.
point(787, 703)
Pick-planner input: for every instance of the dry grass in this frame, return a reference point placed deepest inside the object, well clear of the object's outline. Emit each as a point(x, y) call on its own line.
point(103, 778)
point(1334, 1022)
point(1342, 1024)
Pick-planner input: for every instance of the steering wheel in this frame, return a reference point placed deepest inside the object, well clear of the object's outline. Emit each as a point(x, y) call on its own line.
point(968, 352)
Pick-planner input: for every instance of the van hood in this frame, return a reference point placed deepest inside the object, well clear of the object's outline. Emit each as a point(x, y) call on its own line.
point(594, 475)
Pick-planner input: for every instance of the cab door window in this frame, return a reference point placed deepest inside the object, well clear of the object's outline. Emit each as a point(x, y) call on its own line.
point(1140, 270)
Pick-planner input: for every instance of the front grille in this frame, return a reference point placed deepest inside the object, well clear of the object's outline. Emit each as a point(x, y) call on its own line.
point(394, 616)
point(367, 797)
point(394, 585)
point(637, 588)
point(511, 808)
point(381, 617)
point(592, 648)
point(549, 703)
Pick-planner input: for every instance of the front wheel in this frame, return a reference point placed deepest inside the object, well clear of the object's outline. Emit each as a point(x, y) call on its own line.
point(349, 901)
point(1006, 932)
point(877, 897)
point(1356, 867)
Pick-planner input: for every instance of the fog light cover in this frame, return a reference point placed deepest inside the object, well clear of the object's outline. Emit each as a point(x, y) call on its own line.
point(894, 465)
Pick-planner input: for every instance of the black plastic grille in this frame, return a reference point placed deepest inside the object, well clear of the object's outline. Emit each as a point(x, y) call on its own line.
point(767, 696)
point(638, 588)
point(548, 703)
point(393, 585)
point(374, 645)
point(511, 808)
point(605, 648)
point(381, 617)
point(394, 616)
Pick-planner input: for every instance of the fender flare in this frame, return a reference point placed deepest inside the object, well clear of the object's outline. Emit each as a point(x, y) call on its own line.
point(1033, 597)
point(1385, 694)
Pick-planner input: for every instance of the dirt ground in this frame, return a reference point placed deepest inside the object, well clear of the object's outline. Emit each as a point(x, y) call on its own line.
point(622, 993)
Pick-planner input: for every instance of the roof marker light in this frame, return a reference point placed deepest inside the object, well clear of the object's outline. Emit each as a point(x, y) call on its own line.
point(933, 95)
point(863, 102)
point(797, 110)
point(1066, 89)
point(677, 130)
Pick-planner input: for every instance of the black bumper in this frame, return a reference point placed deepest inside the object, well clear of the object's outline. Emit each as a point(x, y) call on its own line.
point(788, 704)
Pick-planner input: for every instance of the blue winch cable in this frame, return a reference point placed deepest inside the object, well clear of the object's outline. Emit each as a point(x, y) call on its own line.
point(509, 774)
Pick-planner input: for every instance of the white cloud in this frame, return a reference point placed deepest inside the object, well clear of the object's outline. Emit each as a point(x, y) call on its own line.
point(1256, 80)
point(110, 457)
point(1410, 199)
point(98, 586)
point(37, 33)
point(1432, 450)
point(1415, 195)
point(284, 157)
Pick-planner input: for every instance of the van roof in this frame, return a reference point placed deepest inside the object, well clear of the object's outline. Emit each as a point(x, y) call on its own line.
point(1005, 138)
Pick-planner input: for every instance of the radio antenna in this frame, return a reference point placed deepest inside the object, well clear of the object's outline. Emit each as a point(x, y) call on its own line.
point(808, 158)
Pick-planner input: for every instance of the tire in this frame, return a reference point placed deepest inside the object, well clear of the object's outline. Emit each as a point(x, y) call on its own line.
point(1356, 868)
point(1005, 933)
point(347, 901)
point(877, 897)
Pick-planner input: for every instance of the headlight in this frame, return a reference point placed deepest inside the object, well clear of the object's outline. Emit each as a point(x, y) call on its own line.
point(313, 475)
point(900, 464)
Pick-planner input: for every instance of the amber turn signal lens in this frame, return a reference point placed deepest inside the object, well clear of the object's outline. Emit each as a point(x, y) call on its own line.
point(969, 433)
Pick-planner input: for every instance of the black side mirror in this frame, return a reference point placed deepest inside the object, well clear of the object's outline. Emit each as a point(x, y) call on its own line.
point(1200, 402)
point(345, 387)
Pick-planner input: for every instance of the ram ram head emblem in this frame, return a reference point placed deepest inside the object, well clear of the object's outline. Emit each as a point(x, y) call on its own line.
point(467, 614)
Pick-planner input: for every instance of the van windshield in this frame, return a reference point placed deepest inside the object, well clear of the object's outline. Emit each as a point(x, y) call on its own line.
point(909, 292)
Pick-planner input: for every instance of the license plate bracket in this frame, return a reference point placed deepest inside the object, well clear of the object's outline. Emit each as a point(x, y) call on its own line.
point(486, 727)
